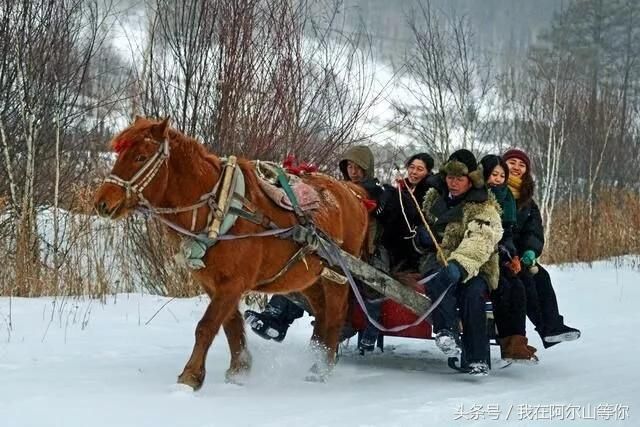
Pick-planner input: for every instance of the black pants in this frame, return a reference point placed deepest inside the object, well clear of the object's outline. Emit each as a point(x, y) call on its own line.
point(284, 309)
point(509, 305)
point(542, 305)
point(469, 299)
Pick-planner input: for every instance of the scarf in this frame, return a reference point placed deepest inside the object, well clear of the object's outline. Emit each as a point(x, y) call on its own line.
point(515, 184)
point(506, 201)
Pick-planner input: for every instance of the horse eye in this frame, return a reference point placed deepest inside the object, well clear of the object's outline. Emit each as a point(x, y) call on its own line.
point(141, 158)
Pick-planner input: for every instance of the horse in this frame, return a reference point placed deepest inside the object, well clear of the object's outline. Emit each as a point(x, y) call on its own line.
point(167, 172)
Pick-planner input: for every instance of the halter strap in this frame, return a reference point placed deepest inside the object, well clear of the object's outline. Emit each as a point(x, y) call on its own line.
point(145, 175)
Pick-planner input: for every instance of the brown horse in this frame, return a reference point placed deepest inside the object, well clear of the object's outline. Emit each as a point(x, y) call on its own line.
point(161, 168)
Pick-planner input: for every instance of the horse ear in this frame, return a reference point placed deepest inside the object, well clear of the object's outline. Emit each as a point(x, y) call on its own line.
point(137, 118)
point(159, 130)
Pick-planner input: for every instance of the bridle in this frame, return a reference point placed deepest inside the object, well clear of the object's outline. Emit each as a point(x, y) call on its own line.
point(145, 175)
point(137, 184)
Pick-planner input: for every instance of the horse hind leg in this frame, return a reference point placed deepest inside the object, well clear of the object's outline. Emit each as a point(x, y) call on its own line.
point(333, 319)
point(315, 297)
point(240, 364)
point(215, 315)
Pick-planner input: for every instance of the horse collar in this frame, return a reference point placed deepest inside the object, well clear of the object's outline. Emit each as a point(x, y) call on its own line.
point(237, 188)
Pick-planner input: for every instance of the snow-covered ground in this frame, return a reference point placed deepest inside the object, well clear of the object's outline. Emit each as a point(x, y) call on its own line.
point(83, 363)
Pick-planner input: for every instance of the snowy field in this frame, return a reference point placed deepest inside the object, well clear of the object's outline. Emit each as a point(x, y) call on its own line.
point(84, 363)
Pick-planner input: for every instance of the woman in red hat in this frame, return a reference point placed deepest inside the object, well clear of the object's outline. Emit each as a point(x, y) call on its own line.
point(528, 237)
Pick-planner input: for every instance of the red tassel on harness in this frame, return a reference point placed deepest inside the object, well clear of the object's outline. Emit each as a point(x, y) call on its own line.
point(369, 204)
point(291, 165)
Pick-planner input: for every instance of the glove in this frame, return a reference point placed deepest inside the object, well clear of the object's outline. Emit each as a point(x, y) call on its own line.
point(383, 201)
point(422, 238)
point(452, 273)
point(514, 265)
point(528, 258)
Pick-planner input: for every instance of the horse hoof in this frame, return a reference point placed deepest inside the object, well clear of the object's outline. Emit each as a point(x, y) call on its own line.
point(192, 380)
point(181, 389)
point(319, 373)
point(316, 378)
point(236, 377)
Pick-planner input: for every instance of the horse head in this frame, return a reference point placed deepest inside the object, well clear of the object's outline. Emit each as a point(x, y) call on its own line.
point(140, 174)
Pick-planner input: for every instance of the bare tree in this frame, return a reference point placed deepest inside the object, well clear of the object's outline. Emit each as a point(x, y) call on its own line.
point(256, 78)
point(448, 81)
point(48, 51)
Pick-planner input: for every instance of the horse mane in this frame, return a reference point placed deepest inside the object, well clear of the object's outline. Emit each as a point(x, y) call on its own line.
point(189, 148)
point(183, 146)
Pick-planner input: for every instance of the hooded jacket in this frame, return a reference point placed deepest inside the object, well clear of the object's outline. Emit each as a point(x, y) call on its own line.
point(362, 156)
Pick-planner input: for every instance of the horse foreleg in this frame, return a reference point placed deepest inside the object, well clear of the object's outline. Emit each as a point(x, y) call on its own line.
point(214, 316)
point(240, 356)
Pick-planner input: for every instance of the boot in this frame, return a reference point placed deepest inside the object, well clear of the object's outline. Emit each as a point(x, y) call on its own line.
point(514, 348)
point(447, 343)
point(479, 369)
point(563, 333)
point(267, 325)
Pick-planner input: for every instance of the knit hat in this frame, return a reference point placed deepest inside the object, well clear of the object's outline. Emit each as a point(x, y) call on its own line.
point(515, 153)
point(489, 163)
point(426, 158)
point(464, 163)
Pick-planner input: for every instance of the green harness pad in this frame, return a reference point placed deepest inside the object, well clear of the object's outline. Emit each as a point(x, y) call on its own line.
point(193, 250)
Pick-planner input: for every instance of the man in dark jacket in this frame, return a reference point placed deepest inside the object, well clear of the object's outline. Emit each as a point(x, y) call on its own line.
point(466, 223)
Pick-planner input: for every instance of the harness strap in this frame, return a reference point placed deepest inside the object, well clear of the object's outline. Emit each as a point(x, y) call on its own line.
point(253, 214)
point(336, 256)
point(299, 255)
point(284, 183)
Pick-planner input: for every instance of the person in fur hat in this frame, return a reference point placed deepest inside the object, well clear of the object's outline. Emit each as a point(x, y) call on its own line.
point(509, 298)
point(466, 223)
point(528, 236)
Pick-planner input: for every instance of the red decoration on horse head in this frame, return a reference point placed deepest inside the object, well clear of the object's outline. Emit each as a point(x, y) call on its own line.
point(122, 145)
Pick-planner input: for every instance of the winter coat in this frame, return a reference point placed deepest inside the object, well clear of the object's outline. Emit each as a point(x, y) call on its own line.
point(363, 156)
point(528, 233)
point(468, 232)
point(399, 219)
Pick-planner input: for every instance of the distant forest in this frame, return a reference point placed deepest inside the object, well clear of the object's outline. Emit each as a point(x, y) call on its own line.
point(504, 28)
